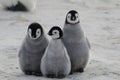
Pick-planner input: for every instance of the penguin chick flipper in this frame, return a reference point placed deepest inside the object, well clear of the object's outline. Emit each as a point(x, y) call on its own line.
point(88, 43)
point(18, 7)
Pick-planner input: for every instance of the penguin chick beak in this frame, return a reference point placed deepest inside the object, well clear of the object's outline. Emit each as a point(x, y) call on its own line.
point(49, 33)
point(73, 18)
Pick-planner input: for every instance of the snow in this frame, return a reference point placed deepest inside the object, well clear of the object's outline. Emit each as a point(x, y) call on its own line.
point(100, 20)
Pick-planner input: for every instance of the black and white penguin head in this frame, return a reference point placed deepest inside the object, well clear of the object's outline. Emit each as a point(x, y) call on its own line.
point(35, 31)
point(72, 17)
point(55, 32)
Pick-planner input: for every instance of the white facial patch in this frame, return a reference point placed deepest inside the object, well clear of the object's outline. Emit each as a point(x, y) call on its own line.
point(55, 34)
point(38, 34)
point(29, 33)
point(73, 21)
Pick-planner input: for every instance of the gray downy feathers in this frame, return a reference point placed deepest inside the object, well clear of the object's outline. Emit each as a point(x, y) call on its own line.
point(77, 46)
point(55, 62)
point(31, 52)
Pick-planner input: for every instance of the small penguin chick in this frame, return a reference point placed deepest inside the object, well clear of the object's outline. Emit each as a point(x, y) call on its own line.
point(35, 31)
point(55, 62)
point(72, 17)
point(55, 32)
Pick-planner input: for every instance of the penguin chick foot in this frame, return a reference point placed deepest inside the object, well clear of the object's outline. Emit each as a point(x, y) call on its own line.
point(71, 72)
point(81, 70)
point(50, 75)
point(61, 76)
point(37, 73)
point(28, 72)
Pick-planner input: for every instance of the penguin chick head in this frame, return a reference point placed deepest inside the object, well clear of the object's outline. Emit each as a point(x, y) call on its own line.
point(55, 32)
point(72, 17)
point(35, 31)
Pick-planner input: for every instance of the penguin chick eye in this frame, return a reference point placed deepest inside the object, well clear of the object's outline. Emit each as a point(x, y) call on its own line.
point(55, 32)
point(38, 32)
point(69, 16)
point(76, 15)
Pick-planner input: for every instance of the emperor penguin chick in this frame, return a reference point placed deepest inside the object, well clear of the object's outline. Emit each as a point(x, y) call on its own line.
point(55, 62)
point(75, 42)
point(19, 5)
point(32, 50)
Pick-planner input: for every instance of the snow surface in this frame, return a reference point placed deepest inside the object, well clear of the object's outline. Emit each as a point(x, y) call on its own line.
point(100, 20)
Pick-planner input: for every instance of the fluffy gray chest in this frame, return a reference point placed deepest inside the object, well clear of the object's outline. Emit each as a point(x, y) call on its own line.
point(55, 48)
point(34, 47)
point(72, 33)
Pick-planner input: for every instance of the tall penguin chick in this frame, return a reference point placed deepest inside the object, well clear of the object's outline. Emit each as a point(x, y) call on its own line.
point(75, 42)
point(32, 50)
point(18, 5)
point(55, 62)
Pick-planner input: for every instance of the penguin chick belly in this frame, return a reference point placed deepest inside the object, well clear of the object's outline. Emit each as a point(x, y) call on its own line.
point(30, 56)
point(57, 55)
point(56, 61)
point(29, 62)
point(76, 45)
point(56, 65)
point(78, 55)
